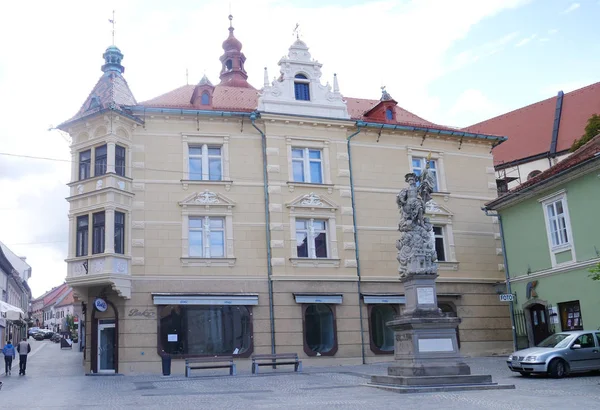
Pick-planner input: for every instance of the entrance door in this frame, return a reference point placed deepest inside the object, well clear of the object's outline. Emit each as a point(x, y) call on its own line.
point(106, 348)
point(539, 323)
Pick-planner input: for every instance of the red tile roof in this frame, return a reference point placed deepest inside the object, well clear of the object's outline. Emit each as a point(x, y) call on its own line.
point(586, 152)
point(529, 129)
point(69, 299)
point(358, 106)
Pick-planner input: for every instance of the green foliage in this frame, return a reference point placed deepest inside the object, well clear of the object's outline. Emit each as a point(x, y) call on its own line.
point(595, 272)
point(591, 130)
point(70, 322)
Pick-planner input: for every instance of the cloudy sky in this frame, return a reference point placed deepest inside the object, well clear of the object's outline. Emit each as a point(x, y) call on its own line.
point(452, 62)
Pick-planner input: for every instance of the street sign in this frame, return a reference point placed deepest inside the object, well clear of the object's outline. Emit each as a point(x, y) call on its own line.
point(507, 297)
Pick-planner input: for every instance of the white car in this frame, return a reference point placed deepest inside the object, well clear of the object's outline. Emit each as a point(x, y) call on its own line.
point(559, 354)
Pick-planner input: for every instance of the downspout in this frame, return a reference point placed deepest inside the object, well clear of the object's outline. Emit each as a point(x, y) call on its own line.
point(356, 252)
point(507, 275)
point(267, 230)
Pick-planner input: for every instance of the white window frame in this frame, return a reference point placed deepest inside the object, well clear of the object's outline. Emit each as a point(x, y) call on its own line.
point(205, 141)
point(568, 246)
point(315, 144)
point(206, 230)
point(442, 218)
point(436, 156)
point(442, 236)
point(205, 158)
point(423, 165)
point(306, 162)
point(214, 206)
point(312, 234)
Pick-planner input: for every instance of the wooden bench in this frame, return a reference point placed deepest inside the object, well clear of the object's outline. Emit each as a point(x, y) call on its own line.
point(275, 360)
point(210, 363)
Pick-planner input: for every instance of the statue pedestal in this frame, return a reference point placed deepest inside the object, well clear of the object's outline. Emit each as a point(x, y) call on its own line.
point(426, 354)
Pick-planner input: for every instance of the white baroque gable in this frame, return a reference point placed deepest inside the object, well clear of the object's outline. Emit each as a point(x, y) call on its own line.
point(312, 202)
point(279, 95)
point(434, 210)
point(207, 199)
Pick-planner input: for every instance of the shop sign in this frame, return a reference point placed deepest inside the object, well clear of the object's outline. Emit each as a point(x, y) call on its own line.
point(100, 305)
point(507, 297)
point(146, 313)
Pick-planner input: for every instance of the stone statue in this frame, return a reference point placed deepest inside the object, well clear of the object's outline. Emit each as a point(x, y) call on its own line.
point(416, 246)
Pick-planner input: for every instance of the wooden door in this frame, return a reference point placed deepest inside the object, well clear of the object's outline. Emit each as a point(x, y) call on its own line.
point(539, 322)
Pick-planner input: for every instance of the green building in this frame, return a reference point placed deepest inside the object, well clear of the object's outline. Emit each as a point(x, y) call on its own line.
point(551, 231)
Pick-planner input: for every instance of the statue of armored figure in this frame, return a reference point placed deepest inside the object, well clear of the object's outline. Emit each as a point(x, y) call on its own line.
point(416, 246)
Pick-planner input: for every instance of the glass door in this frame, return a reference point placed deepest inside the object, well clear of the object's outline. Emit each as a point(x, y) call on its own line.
point(106, 348)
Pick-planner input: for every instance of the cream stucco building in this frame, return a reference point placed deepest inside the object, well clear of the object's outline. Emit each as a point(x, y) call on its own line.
point(226, 220)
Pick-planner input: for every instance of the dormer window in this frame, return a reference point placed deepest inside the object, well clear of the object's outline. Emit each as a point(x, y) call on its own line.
point(301, 88)
point(389, 114)
point(205, 98)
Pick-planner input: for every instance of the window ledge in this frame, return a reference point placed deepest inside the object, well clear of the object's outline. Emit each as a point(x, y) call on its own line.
point(187, 182)
point(191, 261)
point(292, 185)
point(97, 177)
point(97, 256)
point(447, 265)
point(561, 248)
point(315, 263)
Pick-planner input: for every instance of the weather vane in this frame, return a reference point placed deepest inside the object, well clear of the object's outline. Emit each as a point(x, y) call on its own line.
point(297, 31)
point(112, 21)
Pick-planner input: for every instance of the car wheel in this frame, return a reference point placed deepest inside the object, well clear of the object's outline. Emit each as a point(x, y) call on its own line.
point(557, 368)
point(525, 374)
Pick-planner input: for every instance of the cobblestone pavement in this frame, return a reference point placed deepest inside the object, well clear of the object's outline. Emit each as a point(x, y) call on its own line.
point(55, 381)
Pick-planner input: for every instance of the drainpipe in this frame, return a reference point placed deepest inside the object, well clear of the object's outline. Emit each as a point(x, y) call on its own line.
point(253, 117)
point(507, 275)
point(356, 252)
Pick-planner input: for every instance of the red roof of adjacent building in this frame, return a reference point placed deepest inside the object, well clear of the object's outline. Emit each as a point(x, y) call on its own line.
point(68, 299)
point(54, 294)
point(529, 129)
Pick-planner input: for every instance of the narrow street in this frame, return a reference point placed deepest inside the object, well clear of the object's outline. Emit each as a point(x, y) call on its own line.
point(55, 380)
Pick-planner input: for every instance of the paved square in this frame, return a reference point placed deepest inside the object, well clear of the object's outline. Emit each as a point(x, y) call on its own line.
point(55, 381)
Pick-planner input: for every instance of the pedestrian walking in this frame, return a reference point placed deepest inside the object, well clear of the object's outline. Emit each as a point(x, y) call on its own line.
point(9, 355)
point(23, 348)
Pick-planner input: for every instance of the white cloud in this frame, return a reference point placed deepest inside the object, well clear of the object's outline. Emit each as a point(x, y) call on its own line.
point(544, 40)
point(553, 31)
point(473, 104)
point(525, 40)
point(572, 7)
point(45, 78)
point(551, 90)
point(475, 54)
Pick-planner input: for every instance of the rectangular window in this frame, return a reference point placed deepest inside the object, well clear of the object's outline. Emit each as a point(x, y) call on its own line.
point(98, 233)
point(119, 232)
point(557, 223)
point(85, 162)
point(205, 163)
point(82, 236)
point(438, 233)
point(307, 165)
point(419, 164)
point(207, 237)
point(311, 238)
point(120, 160)
point(100, 160)
point(570, 316)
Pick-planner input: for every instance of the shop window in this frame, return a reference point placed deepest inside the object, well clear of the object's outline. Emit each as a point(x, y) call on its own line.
point(205, 330)
point(381, 336)
point(570, 316)
point(319, 330)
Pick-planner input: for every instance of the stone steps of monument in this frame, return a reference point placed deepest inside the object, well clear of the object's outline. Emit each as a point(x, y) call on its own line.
point(440, 388)
point(470, 379)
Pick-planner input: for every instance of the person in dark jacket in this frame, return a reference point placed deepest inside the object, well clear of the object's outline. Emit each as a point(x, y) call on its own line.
point(23, 348)
point(9, 355)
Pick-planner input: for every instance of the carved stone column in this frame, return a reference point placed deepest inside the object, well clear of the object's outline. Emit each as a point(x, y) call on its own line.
point(110, 158)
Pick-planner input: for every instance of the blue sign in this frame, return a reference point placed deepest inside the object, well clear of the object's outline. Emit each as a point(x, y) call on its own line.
point(100, 305)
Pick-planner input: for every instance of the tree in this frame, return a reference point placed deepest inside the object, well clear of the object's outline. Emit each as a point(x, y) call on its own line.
point(70, 322)
point(591, 130)
point(595, 272)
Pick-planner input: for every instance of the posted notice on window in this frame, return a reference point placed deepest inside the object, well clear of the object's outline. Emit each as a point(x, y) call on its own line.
point(172, 338)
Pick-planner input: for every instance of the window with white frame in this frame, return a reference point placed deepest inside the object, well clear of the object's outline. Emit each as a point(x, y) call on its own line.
point(440, 247)
point(311, 238)
point(418, 166)
point(307, 164)
point(206, 237)
point(557, 223)
point(205, 162)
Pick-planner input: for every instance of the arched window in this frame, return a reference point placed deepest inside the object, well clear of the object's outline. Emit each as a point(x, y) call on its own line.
point(205, 98)
point(389, 115)
point(319, 330)
point(301, 88)
point(382, 337)
point(228, 65)
point(533, 174)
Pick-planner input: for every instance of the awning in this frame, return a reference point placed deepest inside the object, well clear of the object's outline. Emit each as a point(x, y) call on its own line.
point(205, 299)
point(10, 312)
point(384, 299)
point(331, 298)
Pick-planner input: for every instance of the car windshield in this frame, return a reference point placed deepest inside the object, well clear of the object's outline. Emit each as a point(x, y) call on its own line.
point(557, 340)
